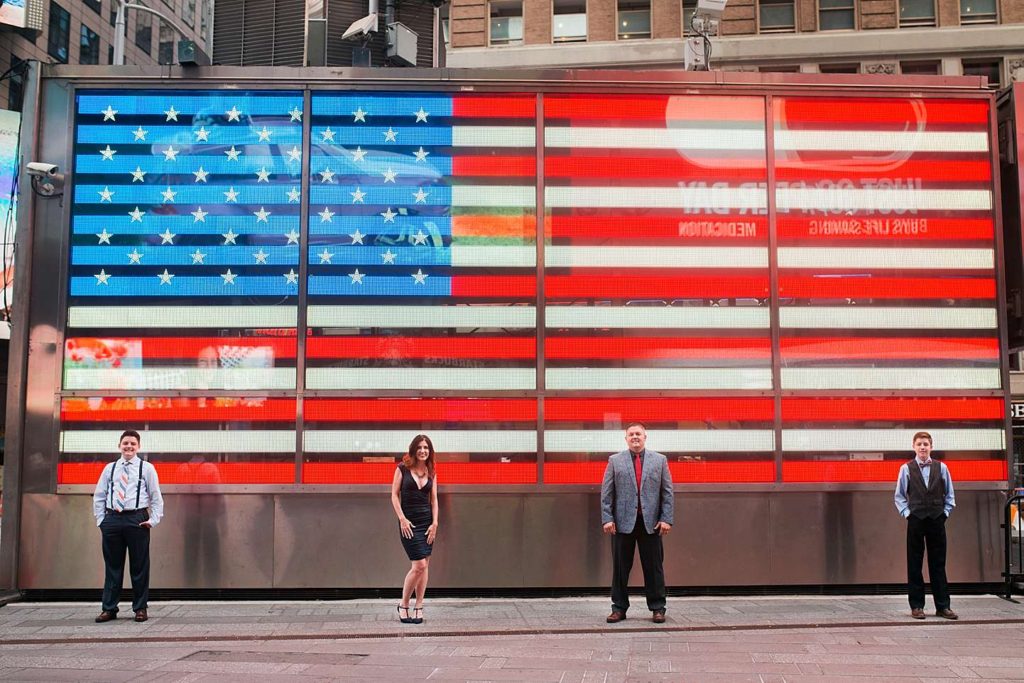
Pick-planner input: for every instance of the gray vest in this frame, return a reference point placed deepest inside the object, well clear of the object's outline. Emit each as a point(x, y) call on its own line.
point(925, 501)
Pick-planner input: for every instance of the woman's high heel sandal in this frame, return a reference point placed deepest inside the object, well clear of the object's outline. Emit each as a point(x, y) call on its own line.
point(419, 619)
point(406, 619)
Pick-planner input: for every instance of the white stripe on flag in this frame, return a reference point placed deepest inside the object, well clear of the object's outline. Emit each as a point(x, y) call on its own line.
point(697, 199)
point(422, 316)
point(657, 138)
point(184, 441)
point(658, 378)
point(518, 196)
point(661, 440)
point(886, 257)
point(909, 378)
point(809, 440)
point(854, 317)
point(492, 137)
point(395, 442)
point(660, 317)
point(881, 141)
point(181, 316)
point(144, 379)
point(427, 379)
point(508, 256)
point(656, 257)
point(842, 199)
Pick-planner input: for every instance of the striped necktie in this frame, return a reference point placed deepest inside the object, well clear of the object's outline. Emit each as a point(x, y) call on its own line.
point(122, 489)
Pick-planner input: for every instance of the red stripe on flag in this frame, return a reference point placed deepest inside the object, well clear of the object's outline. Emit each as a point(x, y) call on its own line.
point(190, 473)
point(422, 347)
point(420, 410)
point(628, 228)
point(503, 166)
point(134, 410)
point(890, 408)
point(906, 228)
point(834, 166)
point(112, 348)
point(657, 348)
point(811, 287)
point(616, 284)
point(662, 169)
point(447, 473)
point(755, 471)
point(889, 348)
point(660, 109)
point(623, 410)
point(502, 107)
point(886, 470)
point(859, 113)
point(493, 286)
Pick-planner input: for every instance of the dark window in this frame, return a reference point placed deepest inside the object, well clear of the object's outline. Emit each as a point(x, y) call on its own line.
point(113, 16)
point(110, 54)
point(992, 68)
point(839, 68)
point(95, 5)
point(931, 68)
point(917, 12)
point(144, 31)
point(188, 13)
point(776, 16)
point(60, 33)
point(978, 12)
point(165, 52)
point(780, 69)
point(90, 47)
point(835, 15)
point(689, 7)
point(506, 22)
point(16, 84)
point(634, 19)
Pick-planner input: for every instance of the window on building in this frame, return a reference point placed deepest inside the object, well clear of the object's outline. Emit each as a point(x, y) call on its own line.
point(836, 15)
point(569, 21)
point(89, 47)
point(689, 7)
point(165, 51)
point(978, 12)
point(992, 68)
point(506, 22)
point(60, 33)
point(929, 68)
point(776, 16)
point(113, 15)
point(144, 32)
point(95, 5)
point(780, 69)
point(203, 20)
point(188, 13)
point(110, 54)
point(839, 68)
point(634, 19)
point(917, 12)
point(16, 84)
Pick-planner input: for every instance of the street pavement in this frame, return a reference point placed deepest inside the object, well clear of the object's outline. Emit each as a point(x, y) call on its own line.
point(566, 640)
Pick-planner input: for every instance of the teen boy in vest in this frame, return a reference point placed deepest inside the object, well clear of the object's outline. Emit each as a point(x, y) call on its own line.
point(924, 497)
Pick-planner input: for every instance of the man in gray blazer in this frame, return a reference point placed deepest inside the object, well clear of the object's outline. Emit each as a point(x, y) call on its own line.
point(637, 515)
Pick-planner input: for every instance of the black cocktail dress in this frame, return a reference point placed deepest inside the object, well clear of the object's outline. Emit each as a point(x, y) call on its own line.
point(416, 508)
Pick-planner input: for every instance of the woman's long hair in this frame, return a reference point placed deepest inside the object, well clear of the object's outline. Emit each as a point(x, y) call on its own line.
point(410, 458)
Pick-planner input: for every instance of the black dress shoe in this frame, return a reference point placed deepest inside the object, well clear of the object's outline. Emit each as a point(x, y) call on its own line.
point(141, 615)
point(615, 617)
point(105, 616)
point(659, 616)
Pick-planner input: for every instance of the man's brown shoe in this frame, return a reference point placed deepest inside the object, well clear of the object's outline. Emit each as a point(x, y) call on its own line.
point(105, 616)
point(659, 616)
point(141, 615)
point(947, 614)
point(917, 613)
point(615, 617)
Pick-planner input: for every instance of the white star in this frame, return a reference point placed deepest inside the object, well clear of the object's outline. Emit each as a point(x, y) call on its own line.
point(326, 215)
point(138, 175)
point(167, 237)
point(419, 237)
point(421, 196)
point(140, 133)
point(388, 256)
point(389, 175)
point(358, 196)
point(233, 153)
point(165, 277)
point(261, 256)
point(102, 277)
point(109, 114)
point(294, 194)
point(108, 154)
point(325, 256)
point(293, 237)
point(357, 237)
point(421, 154)
point(229, 236)
point(359, 115)
point(136, 215)
point(105, 195)
point(419, 277)
point(233, 114)
point(229, 277)
point(231, 195)
point(390, 135)
point(263, 175)
point(389, 216)
point(200, 175)
point(104, 236)
point(199, 216)
point(265, 134)
point(169, 195)
point(421, 115)
point(197, 257)
point(296, 115)
point(327, 134)
point(261, 215)
point(294, 154)
point(358, 154)
point(291, 277)
point(326, 175)
point(172, 114)
point(357, 277)
point(202, 135)
point(170, 154)
point(135, 256)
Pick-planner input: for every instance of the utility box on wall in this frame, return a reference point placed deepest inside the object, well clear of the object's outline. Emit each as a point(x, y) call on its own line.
point(401, 44)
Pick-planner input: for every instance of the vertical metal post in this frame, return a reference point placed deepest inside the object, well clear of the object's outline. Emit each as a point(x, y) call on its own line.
point(120, 32)
point(773, 281)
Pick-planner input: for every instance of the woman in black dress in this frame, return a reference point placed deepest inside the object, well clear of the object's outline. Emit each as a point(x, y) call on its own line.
point(414, 497)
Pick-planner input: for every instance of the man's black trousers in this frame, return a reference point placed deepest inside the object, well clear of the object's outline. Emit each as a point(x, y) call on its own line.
point(121, 532)
point(652, 555)
point(930, 533)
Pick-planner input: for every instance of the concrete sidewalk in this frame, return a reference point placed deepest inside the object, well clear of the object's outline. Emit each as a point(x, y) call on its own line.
point(792, 638)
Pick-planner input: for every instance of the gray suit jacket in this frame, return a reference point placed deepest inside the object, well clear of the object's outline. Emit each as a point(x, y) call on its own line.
point(618, 491)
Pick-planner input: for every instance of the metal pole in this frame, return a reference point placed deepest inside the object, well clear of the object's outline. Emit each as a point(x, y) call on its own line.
point(121, 28)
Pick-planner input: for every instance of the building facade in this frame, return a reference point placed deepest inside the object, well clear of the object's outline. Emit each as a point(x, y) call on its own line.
point(946, 37)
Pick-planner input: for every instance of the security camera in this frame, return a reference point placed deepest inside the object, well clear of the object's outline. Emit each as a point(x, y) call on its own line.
point(42, 169)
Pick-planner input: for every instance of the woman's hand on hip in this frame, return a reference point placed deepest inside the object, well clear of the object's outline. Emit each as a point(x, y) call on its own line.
point(406, 527)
